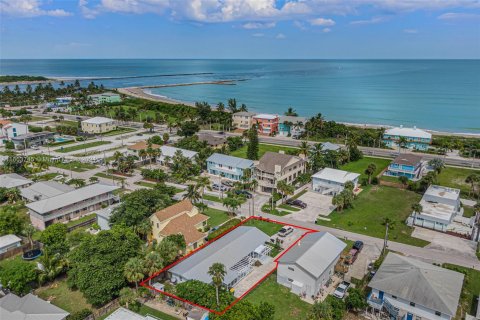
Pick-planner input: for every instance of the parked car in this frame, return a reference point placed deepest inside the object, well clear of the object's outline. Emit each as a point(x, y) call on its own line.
point(341, 290)
point(219, 187)
point(297, 203)
point(352, 256)
point(285, 231)
point(34, 147)
point(358, 245)
point(227, 183)
point(58, 178)
point(245, 193)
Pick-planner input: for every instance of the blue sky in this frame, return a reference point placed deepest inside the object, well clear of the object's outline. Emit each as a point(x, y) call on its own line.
point(240, 29)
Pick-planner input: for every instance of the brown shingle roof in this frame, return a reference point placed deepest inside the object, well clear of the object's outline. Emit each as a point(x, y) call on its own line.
point(270, 159)
point(142, 145)
point(185, 225)
point(407, 159)
point(211, 139)
point(173, 210)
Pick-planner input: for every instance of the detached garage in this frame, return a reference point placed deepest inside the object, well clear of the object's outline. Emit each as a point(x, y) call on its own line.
point(307, 266)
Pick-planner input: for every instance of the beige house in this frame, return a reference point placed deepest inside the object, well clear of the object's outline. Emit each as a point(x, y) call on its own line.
point(98, 125)
point(243, 120)
point(274, 167)
point(180, 218)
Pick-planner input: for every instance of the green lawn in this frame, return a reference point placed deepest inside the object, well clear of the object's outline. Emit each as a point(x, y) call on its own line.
point(47, 176)
point(270, 228)
point(468, 212)
point(118, 131)
point(76, 166)
point(362, 164)
point(371, 207)
point(470, 290)
point(67, 123)
point(60, 295)
point(108, 176)
point(287, 207)
point(217, 217)
point(145, 184)
point(287, 305)
point(229, 224)
point(83, 146)
point(81, 220)
point(212, 198)
point(455, 178)
point(146, 310)
point(262, 148)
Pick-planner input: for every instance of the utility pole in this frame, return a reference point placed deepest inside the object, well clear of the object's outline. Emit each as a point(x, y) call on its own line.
point(385, 240)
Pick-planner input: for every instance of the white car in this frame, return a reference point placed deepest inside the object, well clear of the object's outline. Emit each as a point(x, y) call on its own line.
point(285, 231)
point(341, 290)
point(58, 178)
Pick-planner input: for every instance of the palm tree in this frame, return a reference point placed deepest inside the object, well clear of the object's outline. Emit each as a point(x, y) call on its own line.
point(285, 189)
point(142, 153)
point(127, 296)
point(52, 266)
point(152, 264)
point(133, 271)
point(220, 107)
point(232, 204)
point(13, 194)
point(291, 112)
point(417, 209)
point(217, 272)
point(28, 231)
point(473, 179)
point(143, 229)
point(202, 183)
point(232, 105)
point(338, 200)
point(304, 148)
point(402, 143)
point(93, 179)
point(192, 194)
point(370, 171)
point(403, 180)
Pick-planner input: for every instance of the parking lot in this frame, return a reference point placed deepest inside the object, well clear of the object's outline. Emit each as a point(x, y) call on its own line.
point(317, 204)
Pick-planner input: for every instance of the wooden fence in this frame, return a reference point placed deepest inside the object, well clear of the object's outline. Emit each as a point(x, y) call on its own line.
point(106, 309)
point(23, 248)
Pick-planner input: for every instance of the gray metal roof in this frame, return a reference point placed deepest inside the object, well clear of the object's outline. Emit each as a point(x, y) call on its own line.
point(314, 252)
point(13, 180)
point(293, 119)
point(330, 146)
point(228, 250)
point(419, 282)
point(8, 240)
point(44, 190)
point(124, 314)
point(30, 307)
point(244, 113)
point(230, 161)
point(75, 196)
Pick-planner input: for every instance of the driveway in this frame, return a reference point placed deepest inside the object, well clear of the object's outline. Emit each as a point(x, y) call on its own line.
point(359, 269)
point(445, 242)
point(317, 204)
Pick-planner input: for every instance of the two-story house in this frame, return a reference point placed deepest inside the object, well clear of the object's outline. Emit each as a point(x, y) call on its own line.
point(440, 205)
point(415, 138)
point(98, 125)
point(291, 126)
point(267, 124)
point(243, 120)
point(70, 205)
point(408, 165)
point(274, 167)
point(106, 97)
point(181, 218)
point(409, 289)
point(308, 265)
point(332, 181)
point(9, 130)
point(228, 167)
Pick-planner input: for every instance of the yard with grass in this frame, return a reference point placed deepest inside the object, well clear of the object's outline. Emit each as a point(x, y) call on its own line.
point(76, 166)
point(145, 184)
point(217, 217)
point(371, 207)
point(108, 176)
point(146, 310)
point(74, 223)
point(270, 228)
point(362, 164)
point(287, 207)
point(83, 146)
point(470, 290)
point(262, 148)
point(455, 178)
point(118, 131)
point(228, 225)
point(212, 198)
point(287, 305)
point(63, 297)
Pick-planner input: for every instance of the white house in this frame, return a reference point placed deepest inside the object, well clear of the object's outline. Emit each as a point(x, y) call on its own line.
point(410, 289)
point(307, 266)
point(9, 129)
point(98, 125)
point(332, 181)
point(31, 307)
point(167, 153)
point(8, 242)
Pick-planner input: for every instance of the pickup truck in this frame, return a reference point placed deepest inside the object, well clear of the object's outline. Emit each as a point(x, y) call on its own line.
point(341, 290)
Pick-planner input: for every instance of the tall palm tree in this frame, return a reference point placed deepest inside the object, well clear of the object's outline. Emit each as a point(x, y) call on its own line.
point(402, 143)
point(370, 171)
point(417, 209)
point(192, 193)
point(52, 266)
point(304, 148)
point(473, 179)
point(133, 271)
point(152, 264)
point(28, 231)
point(202, 184)
point(218, 272)
point(285, 189)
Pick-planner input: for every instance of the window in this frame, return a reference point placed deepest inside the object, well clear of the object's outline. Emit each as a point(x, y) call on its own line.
point(291, 268)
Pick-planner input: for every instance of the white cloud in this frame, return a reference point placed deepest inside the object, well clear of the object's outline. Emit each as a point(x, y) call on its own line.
point(258, 25)
point(300, 25)
point(28, 9)
point(374, 20)
point(258, 35)
point(458, 16)
point(322, 22)
point(410, 31)
point(280, 36)
point(326, 30)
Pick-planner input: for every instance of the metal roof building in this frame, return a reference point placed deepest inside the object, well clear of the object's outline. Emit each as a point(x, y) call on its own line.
point(230, 161)
point(44, 190)
point(13, 180)
point(30, 307)
point(408, 286)
point(236, 251)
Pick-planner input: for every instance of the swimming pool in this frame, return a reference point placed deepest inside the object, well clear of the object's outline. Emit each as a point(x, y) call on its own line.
point(62, 139)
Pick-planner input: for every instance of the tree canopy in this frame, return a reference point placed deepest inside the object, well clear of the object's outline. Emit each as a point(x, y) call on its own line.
point(17, 275)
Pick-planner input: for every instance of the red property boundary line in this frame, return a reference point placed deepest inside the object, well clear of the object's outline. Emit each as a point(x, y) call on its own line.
point(145, 284)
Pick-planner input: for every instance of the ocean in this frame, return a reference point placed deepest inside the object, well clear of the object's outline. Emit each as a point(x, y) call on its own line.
point(440, 95)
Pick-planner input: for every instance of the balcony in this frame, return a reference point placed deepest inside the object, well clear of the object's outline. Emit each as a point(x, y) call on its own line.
point(375, 302)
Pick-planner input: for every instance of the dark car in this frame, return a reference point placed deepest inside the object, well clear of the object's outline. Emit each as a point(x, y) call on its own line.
point(227, 183)
point(358, 245)
point(297, 203)
point(245, 193)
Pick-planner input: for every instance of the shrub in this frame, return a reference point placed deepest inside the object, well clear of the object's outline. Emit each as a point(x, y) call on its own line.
point(79, 315)
point(374, 180)
point(9, 145)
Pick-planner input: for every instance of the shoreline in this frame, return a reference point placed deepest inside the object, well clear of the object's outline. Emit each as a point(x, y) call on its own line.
point(138, 92)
